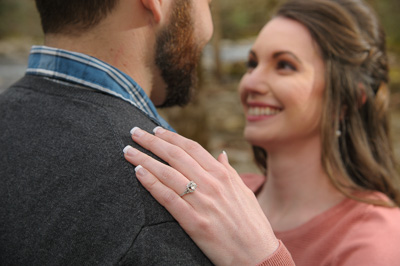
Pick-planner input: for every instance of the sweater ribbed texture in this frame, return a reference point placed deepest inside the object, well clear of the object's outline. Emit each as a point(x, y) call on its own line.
point(281, 257)
point(350, 233)
point(67, 195)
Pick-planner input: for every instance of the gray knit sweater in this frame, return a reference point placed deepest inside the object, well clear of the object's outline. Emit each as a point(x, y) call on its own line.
point(67, 195)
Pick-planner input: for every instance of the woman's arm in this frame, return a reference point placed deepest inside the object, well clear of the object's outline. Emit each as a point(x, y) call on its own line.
point(222, 215)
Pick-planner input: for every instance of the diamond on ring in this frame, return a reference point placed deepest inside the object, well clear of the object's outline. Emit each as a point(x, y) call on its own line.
point(190, 187)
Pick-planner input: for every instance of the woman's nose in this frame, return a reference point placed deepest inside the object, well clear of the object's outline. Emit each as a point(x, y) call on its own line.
point(255, 81)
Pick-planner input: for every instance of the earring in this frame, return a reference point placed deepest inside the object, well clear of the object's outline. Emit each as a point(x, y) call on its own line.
point(338, 133)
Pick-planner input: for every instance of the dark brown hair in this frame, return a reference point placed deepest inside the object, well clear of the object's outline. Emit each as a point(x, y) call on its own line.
point(72, 16)
point(353, 48)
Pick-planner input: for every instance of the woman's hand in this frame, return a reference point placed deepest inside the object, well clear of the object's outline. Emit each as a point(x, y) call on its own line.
point(222, 215)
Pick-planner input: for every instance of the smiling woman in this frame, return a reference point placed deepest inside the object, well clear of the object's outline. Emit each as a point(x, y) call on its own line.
point(315, 98)
point(285, 77)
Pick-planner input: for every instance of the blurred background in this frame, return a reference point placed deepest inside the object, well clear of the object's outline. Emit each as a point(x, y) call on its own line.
point(215, 117)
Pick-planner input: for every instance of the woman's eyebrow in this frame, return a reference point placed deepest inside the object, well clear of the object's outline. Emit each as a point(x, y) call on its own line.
point(277, 54)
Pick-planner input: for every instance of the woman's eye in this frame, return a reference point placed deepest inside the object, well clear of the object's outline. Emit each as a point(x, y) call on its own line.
point(285, 65)
point(251, 64)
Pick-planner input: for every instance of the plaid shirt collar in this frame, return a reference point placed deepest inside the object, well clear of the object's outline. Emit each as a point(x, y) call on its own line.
point(87, 71)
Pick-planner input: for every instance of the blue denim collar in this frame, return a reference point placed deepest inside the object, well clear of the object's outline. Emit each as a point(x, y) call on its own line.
point(87, 71)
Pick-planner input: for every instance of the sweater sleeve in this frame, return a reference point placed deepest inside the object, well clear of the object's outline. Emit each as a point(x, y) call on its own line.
point(281, 257)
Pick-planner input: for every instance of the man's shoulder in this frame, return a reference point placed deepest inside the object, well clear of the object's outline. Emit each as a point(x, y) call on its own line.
point(53, 102)
point(64, 175)
point(70, 132)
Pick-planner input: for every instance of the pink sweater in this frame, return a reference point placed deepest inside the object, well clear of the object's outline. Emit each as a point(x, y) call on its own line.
point(350, 233)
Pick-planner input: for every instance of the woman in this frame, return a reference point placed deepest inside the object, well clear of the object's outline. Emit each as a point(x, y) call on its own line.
point(315, 98)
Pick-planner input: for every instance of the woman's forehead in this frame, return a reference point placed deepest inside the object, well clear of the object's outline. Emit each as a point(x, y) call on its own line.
point(282, 33)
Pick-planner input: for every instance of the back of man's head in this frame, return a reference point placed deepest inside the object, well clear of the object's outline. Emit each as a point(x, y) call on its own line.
point(72, 16)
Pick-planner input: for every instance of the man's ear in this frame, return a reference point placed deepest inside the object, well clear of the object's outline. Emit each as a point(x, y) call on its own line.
point(154, 6)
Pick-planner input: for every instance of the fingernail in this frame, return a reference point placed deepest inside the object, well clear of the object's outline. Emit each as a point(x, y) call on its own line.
point(140, 171)
point(226, 155)
point(128, 150)
point(137, 132)
point(158, 130)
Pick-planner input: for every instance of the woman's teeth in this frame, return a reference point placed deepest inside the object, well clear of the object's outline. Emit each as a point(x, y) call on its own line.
point(259, 111)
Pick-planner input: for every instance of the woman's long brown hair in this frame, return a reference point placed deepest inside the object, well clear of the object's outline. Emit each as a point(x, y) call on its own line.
point(356, 99)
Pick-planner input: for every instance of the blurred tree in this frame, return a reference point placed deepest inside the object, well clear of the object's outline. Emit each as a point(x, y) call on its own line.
point(18, 18)
point(388, 11)
point(216, 40)
point(240, 18)
point(244, 18)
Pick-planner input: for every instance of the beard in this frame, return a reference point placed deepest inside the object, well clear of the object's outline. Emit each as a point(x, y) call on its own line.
point(177, 56)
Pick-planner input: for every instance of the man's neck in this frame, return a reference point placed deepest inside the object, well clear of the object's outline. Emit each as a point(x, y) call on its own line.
point(121, 50)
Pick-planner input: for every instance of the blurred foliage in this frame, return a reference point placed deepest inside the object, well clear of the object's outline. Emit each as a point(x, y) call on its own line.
point(240, 18)
point(388, 11)
point(18, 18)
point(243, 18)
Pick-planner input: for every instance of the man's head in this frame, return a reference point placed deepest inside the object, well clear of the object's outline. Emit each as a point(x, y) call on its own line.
point(158, 43)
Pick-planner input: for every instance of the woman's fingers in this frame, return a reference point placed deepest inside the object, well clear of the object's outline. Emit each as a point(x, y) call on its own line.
point(177, 149)
point(180, 209)
point(188, 164)
point(169, 177)
point(221, 215)
point(167, 186)
point(195, 150)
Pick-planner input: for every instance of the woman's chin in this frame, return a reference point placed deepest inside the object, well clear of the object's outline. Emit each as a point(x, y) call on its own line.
point(255, 139)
